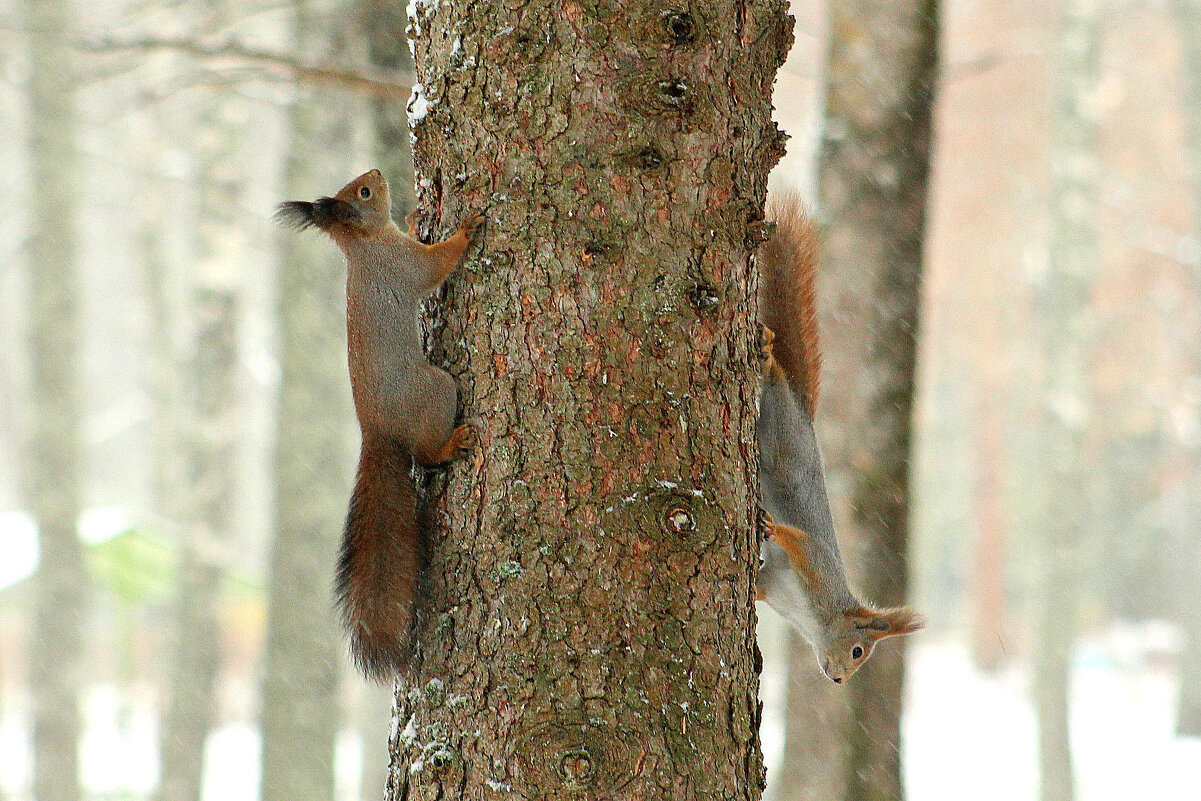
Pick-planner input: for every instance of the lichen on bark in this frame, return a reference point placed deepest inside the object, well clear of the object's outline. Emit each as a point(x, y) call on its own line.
point(591, 628)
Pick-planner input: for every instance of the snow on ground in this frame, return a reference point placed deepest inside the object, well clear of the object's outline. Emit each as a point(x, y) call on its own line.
point(967, 735)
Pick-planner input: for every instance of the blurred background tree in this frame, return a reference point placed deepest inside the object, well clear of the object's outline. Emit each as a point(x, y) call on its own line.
point(161, 344)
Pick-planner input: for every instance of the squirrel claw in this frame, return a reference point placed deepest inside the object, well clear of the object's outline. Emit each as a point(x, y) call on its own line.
point(471, 224)
point(765, 349)
point(413, 219)
point(765, 524)
point(466, 438)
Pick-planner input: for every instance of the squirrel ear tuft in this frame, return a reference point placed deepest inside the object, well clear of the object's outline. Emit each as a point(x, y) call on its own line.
point(894, 622)
point(298, 214)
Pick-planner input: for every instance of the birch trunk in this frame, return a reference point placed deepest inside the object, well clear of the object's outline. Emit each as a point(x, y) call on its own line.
point(591, 631)
point(1062, 298)
point(1188, 26)
point(53, 470)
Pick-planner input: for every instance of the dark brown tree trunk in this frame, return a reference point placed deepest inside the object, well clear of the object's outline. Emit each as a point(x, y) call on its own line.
point(873, 173)
point(52, 476)
point(591, 631)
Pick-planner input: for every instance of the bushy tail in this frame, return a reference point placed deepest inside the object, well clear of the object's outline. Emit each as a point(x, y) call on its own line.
point(789, 297)
point(383, 553)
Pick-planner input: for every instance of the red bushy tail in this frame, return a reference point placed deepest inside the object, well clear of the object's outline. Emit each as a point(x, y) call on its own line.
point(789, 304)
point(383, 553)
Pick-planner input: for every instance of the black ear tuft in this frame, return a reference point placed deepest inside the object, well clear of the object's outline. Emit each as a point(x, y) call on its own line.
point(298, 214)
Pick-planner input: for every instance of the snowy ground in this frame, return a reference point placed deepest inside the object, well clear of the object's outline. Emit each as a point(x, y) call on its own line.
point(967, 736)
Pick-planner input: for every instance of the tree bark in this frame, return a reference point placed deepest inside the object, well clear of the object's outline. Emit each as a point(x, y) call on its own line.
point(52, 476)
point(303, 652)
point(1188, 721)
point(873, 179)
point(591, 630)
point(1062, 312)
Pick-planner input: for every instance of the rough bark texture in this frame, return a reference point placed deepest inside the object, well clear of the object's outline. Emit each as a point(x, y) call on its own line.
point(52, 463)
point(303, 652)
point(1062, 310)
point(1188, 26)
point(592, 630)
point(872, 178)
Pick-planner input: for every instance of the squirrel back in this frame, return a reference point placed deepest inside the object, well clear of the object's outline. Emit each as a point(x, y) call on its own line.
point(802, 575)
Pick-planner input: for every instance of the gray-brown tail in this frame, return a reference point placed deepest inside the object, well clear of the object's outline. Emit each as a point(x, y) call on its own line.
point(383, 554)
point(789, 296)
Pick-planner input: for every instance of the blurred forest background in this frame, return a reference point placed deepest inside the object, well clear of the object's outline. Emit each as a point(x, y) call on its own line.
point(175, 418)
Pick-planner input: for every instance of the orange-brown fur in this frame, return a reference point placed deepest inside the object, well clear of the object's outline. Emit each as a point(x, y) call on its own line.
point(789, 295)
point(405, 406)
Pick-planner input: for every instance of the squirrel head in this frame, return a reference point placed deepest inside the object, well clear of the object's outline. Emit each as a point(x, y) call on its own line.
point(854, 632)
point(361, 207)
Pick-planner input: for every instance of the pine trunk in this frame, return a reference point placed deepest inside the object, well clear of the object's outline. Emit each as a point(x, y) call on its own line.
point(881, 69)
point(53, 470)
point(591, 631)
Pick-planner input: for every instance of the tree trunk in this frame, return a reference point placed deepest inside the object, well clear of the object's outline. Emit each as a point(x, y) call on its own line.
point(873, 178)
point(304, 656)
point(192, 706)
point(1188, 26)
point(53, 463)
point(209, 438)
point(1062, 312)
point(591, 632)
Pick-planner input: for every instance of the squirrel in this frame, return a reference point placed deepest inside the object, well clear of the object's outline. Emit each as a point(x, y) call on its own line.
point(801, 574)
point(405, 408)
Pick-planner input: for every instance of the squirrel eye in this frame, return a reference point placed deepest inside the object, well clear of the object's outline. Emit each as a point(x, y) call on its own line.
point(856, 652)
point(364, 192)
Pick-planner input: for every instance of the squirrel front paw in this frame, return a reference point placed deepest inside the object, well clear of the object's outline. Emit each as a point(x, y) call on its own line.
point(471, 223)
point(464, 439)
point(764, 524)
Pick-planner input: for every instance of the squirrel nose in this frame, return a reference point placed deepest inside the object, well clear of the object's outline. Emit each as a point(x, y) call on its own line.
point(838, 681)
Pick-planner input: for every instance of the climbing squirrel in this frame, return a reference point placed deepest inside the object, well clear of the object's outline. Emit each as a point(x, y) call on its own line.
point(802, 576)
point(405, 406)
